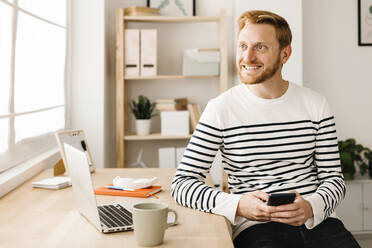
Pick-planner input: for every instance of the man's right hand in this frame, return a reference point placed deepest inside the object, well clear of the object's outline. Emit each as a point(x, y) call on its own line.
point(252, 206)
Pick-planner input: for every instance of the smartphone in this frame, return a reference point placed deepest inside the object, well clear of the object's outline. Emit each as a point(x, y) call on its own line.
point(281, 198)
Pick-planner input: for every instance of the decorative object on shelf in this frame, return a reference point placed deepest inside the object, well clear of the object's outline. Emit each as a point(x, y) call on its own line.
point(365, 22)
point(174, 122)
point(139, 163)
point(353, 154)
point(171, 104)
point(143, 111)
point(174, 7)
point(140, 11)
point(201, 62)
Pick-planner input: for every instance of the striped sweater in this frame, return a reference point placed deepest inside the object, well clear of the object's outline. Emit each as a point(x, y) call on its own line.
point(272, 145)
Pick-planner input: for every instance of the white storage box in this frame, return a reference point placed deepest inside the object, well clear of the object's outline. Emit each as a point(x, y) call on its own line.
point(175, 122)
point(197, 62)
point(167, 157)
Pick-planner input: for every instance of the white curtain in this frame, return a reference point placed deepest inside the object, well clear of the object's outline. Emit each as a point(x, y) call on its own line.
point(33, 48)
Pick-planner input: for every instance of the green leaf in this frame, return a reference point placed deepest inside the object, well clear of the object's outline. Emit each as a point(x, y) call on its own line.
point(363, 168)
point(348, 176)
point(359, 148)
point(143, 109)
point(353, 154)
point(346, 158)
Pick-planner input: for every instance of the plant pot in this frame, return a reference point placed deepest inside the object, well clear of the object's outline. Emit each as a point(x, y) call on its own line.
point(143, 127)
point(348, 176)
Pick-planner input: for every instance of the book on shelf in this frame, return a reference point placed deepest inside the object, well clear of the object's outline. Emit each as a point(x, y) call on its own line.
point(145, 192)
point(140, 11)
point(171, 104)
point(195, 112)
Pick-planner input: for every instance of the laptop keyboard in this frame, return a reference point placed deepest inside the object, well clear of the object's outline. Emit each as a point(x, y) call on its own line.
point(115, 216)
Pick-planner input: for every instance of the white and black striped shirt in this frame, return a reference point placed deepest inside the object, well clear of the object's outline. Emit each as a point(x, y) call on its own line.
point(273, 145)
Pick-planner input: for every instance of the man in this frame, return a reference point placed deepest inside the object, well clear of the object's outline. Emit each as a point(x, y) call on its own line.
point(274, 137)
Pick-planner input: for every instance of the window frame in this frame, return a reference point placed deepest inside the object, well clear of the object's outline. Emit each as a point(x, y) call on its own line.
point(10, 117)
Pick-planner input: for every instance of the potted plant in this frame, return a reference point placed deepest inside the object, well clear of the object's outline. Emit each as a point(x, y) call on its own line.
point(143, 111)
point(368, 155)
point(353, 154)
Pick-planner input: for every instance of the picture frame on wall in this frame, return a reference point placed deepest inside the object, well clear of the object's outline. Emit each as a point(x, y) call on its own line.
point(365, 22)
point(173, 7)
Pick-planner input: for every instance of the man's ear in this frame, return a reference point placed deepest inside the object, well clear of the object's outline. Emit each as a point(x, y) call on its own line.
point(285, 54)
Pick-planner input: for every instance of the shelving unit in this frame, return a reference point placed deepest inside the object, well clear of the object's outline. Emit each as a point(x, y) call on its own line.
point(155, 136)
point(122, 135)
point(162, 77)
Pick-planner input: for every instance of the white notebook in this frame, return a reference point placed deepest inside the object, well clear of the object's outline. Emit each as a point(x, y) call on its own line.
point(53, 183)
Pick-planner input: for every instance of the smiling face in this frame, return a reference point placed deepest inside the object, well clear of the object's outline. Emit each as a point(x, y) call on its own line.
point(259, 57)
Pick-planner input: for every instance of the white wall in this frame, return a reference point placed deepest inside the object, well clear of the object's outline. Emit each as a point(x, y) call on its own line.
point(87, 73)
point(335, 66)
point(110, 77)
point(93, 66)
point(291, 10)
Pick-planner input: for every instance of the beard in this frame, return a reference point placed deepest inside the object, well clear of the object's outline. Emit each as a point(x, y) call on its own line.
point(265, 75)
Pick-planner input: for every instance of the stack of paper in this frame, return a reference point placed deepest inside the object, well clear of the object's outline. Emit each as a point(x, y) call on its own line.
point(53, 183)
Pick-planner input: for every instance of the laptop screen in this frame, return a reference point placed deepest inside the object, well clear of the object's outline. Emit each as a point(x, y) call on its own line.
point(82, 185)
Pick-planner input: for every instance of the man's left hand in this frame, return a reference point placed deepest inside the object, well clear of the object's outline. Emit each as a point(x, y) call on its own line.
point(295, 214)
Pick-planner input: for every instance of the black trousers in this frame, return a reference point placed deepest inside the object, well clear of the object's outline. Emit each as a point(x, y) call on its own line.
point(330, 233)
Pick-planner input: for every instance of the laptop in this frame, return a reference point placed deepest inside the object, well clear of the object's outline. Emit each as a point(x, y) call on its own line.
point(106, 218)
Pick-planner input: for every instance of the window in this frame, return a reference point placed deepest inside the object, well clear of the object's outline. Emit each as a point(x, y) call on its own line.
point(32, 77)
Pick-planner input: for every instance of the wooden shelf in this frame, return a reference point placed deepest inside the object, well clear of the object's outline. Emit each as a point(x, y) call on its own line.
point(122, 94)
point(172, 18)
point(156, 136)
point(161, 77)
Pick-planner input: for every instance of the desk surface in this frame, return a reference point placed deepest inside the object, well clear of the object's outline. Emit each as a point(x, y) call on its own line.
point(32, 217)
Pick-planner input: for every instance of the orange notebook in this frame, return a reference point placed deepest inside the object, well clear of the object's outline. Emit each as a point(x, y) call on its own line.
point(146, 192)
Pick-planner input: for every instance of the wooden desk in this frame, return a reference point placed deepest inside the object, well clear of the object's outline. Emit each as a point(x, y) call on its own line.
point(32, 217)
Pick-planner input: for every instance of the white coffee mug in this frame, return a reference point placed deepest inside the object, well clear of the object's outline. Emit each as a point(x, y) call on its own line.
point(150, 222)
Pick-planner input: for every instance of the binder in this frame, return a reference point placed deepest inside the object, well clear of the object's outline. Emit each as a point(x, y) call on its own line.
point(143, 193)
point(179, 154)
point(148, 52)
point(167, 157)
point(132, 52)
